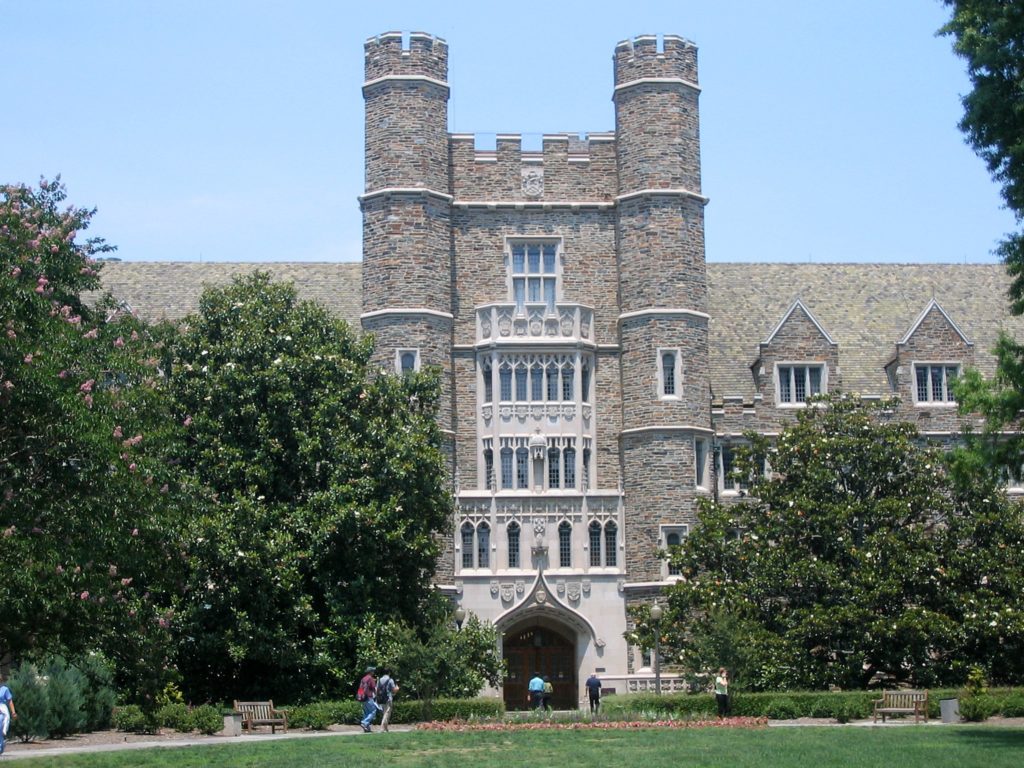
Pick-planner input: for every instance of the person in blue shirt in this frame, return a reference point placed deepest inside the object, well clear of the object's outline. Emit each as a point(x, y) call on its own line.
point(594, 692)
point(536, 689)
point(7, 713)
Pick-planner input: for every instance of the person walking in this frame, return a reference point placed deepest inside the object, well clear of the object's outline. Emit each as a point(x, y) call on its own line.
point(386, 687)
point(7, 713)
point(549, 691)
point(594, 692)
point(367, 695)
point(536, 689)
point(722, 692)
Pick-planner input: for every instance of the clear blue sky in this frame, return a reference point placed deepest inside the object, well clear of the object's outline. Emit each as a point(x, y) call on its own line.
point(232, 130)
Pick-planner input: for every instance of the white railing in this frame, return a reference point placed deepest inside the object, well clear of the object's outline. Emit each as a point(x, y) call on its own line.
point(534, 321)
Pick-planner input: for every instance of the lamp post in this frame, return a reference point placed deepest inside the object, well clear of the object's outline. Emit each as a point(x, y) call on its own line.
point(460, 616)
point(656, 614)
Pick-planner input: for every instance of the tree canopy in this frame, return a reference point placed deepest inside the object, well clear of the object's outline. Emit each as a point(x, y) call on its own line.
point(856, 556)
point(329, 487)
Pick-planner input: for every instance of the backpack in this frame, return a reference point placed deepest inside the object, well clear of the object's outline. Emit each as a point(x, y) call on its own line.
point(384, 690)
point(365, 692)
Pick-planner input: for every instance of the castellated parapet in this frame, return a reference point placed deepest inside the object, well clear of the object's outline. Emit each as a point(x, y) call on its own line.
point(639, 59)
point(426, 56)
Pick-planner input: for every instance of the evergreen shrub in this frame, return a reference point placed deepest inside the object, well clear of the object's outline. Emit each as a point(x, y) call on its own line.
point(132, 719)
point(175, 716)
point(31, 702)
point(206, 719)
point(65, 689)
point(100, 697)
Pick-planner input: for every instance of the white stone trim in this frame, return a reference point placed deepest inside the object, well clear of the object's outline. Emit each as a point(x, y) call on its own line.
point(405, 78)
point(677, 192)
point(406, 311)
point(405, 191)
point(532, 204)
point(811, 317)
point(924, 314)
point(658, 81)
point(667, 311)
point(667, 428)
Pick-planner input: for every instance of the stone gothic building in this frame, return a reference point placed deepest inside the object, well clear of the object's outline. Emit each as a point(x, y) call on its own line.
point(598, 373)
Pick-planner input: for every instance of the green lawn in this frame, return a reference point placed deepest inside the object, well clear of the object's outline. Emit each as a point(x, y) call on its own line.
point(907, 747)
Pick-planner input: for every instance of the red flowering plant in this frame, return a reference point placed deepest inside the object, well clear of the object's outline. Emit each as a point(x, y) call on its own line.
point(584, 725)
point(86, 487)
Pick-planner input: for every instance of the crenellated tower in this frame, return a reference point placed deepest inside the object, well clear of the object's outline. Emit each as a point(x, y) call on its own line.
point(407, 258)
point(663, 320)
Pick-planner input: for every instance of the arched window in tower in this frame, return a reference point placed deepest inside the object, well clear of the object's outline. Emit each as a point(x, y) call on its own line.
point(522, 468)
point(668, 374)
point(407, 360)
point(565, 544)
point(567, 381)
point(611, 542)
point(569, 461)
point(488, 382)
point(537, 383)
point(672, 540)
point(585, 383)
point(521, 380)
point(554, 475)
point(506, 468)
point(505, 381)
point(552, 370)
point(483, 546)
point(514, 532)
point(467, 545)
point(595, 544)
point(489, 469)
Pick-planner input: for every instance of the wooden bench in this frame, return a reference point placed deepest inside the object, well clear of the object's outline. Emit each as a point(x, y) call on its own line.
point(261, 713)
point(902, 703)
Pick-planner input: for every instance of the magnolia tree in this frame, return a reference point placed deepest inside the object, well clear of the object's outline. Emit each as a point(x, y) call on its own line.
point(90, 546)
point(330, 492)
point(857, 558)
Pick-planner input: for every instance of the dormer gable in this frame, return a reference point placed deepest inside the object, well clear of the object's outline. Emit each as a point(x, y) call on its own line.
point(797, 360)
point(928, 358)
point(798, 313)
point(936, 321)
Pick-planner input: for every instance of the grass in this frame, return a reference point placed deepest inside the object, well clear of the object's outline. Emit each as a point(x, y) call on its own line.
point(910, 747)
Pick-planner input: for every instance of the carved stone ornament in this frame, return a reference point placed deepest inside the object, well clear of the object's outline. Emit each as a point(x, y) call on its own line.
point(520, 588)
point(508, 592)
point(494, 589)
point(540, 596)
point(567, 325)
point(485, 327)
point(560, 587)
point(533, 182)
point(505, 325)
point(586, 587)
point(573, 591)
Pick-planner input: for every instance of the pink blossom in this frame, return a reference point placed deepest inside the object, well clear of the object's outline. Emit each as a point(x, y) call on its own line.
point(33, 244)
point(188, 421)
point(54, 249)
point(88, 401)
point(11, 334)
point(164, 623)
point(164, 488)
point(132, 467)
point(135, 531)
point(60, 569)
point(28, 358)
point(62, 375)
point(8, 385)
point(84, 595)
point(135, 336)
point(8, 532)
point(118, 342)
point(92, 334)
point(87, 386)
point(16, 271)
point(117, 431)
point(126, 581)
point(112, 570)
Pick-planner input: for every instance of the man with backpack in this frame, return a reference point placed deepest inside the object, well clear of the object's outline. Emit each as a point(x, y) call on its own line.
point(386, 687)
point(367, 696)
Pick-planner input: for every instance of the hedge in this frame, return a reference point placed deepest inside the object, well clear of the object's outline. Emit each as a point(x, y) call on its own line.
point(323, 714)
point(842, 705)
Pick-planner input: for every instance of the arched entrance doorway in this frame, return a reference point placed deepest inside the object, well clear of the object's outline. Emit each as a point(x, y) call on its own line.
point(533, 649)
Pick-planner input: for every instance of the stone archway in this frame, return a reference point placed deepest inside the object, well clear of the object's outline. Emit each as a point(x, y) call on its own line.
point(532, 648)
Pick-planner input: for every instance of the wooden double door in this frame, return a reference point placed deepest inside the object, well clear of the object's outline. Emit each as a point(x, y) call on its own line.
point(540, 650)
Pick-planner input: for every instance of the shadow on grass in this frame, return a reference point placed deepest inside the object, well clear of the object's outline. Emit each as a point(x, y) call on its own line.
point(992, 736)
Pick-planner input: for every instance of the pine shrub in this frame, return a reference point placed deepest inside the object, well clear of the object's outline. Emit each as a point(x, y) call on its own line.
point(100, 697)
point(65, 688)
point(32, 704)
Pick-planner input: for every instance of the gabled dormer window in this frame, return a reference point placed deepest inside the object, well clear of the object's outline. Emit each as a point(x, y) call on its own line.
point(796, 384)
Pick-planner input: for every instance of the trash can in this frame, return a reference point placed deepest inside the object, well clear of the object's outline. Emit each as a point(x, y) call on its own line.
point(950, 709)
point(232, 725)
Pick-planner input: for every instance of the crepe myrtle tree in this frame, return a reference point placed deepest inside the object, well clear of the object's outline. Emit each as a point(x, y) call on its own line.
point(852, 559)
point(330, 484)
point(87, 483)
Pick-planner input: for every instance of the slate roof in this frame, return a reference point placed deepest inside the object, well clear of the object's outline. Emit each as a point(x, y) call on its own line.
point(865, 308)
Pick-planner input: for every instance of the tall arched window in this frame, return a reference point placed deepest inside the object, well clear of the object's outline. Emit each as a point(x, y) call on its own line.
point(668, 373)
point(521, 382)
point(554, 475)
point(513, 544)
point(506, 468)
point(522, 467)
point(489, 469)
point(565, 545)
point(595, 543)
point(505, 381)
point(569, 462)
point(586, 468)
point(483, 546)
point(552, 371)
point(488, 382)
point(408, 361)
point(567, 381)
point(467, 545)
point(585, 383)
point(611, 542)
point(537, 383)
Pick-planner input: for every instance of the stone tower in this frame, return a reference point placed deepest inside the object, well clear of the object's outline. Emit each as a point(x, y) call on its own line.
point(663, 321)
point(407, 261)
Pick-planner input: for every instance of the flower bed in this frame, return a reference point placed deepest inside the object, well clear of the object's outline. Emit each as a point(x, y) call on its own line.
point(604, 725)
